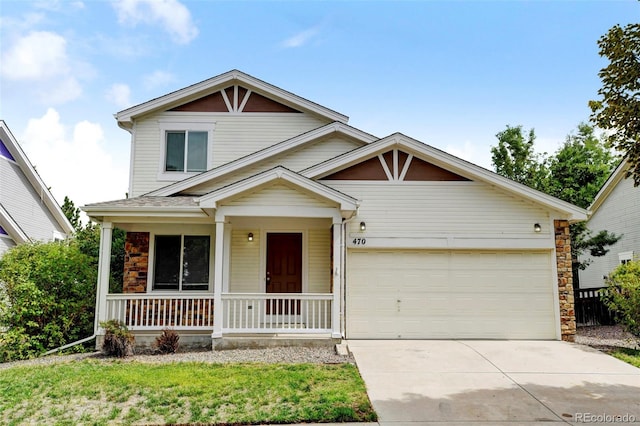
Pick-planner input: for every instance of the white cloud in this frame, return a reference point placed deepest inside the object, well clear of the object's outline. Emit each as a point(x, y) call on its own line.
point(301, 38)
point(38, 55)
point(157, 79)
point(119, 94)
point(171, 15)
point(75, 165)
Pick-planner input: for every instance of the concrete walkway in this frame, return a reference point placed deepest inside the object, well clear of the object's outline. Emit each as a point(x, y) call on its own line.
point(433, 382)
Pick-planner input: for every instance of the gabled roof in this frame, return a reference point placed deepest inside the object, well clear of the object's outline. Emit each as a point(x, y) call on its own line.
point(447, 162)
point(279, 148)
point(29, 171)
point(279, 173)
point(198, 90)
point(11, 226)
point(618, 174)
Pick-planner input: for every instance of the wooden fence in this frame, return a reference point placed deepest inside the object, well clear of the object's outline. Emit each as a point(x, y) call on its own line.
point(589, 308)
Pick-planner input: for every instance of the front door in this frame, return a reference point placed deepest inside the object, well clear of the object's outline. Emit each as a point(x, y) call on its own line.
point(284, 269)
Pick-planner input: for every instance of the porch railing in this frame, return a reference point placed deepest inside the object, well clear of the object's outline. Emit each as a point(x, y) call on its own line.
point(290, 313)
point(157, 311)
point(276, 313)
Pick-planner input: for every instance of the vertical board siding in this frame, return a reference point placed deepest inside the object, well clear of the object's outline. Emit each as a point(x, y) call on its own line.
point(619, 214)
point(235, 136)
point(297, 160)
point(462, 208)
point(246, 276)
point(24, 204)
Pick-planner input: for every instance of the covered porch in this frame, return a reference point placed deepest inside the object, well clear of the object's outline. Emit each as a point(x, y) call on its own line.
point(260, 258)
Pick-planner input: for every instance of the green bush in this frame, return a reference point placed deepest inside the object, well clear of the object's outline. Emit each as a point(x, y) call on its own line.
point(118, 340)
point(623, 295)
point(47, 298)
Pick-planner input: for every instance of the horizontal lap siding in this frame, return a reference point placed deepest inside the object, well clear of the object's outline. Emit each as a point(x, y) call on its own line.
point(319, 261)
point(24, 204)
point(245, 262)
point(620, 214)
point(452, 208)
point(5, 244)
point(235, 136)
point(297, 160)
point(277, 195)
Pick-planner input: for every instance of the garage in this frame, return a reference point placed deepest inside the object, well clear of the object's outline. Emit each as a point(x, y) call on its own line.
point(433, 294)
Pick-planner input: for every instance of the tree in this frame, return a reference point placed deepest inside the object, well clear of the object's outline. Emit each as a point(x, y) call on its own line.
point(577, 171)
point(72, 213)
point(47, 298)
point(580, 167)
point(574, 173)
point(514, 157)
point(618, 111)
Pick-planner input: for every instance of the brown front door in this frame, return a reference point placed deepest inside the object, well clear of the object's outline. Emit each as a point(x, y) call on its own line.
point(284, 269)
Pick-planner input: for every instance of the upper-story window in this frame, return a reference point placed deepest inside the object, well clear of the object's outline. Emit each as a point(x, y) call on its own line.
point(186, 148)
point(186, 151)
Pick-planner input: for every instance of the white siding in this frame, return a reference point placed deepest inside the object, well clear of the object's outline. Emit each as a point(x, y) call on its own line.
point(319, 261)
point(620, 214)
point(24, 204)
point(299, 159)
point(277, 195)
point(235, 136)
point(5, 244)
point(458, 209)
point(248, 259)
point(245, 262)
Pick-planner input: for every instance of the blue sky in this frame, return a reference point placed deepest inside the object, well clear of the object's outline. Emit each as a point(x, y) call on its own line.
point(451, 74)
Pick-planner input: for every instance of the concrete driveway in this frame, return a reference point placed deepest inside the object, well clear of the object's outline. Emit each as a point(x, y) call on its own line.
point(496, 382)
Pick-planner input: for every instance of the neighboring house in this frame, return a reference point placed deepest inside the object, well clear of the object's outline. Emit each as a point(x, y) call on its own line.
point(616, 209)
point(255, 211)
point(28, 211)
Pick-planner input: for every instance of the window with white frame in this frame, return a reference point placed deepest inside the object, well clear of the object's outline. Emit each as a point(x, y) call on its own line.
point(186, 151)
point(181, 262)
point(186, 148)
point(625, 257)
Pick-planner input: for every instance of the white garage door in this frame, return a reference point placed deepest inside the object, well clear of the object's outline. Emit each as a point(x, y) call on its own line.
point(412, 294)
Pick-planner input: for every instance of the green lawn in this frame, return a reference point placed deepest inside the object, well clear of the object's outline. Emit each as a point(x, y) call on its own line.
point(631, 356)
point(100, 393)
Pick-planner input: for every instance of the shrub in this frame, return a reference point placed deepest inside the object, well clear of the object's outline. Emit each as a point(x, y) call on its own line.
point(47, 298)
point(623, 295)
point(167, 342)
point(118, 340)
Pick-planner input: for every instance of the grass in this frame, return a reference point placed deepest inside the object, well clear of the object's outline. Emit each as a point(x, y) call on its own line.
point(91, 392)
point(631, 356)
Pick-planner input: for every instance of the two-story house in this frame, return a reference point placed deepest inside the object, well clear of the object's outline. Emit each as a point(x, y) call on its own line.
point(256, 212)
point(28, 211)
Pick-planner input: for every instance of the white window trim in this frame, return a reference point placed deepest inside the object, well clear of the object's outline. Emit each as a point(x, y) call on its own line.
point(204, 125)
point(152, 264)
point(625, 256)
point(59, 236)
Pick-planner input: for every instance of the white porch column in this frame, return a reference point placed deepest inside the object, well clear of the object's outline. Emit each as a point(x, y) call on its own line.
point(336, 333)
point(104, 267)
point(218, 279)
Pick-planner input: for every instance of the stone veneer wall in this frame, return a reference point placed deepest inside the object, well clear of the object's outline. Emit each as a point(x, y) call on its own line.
point(565, 280)
point(136, 262)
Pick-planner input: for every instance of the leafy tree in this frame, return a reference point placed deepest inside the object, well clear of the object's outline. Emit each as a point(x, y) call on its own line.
point(47, 298)
point(580, 167)
point(574, 173)
point(514, 157)
point(619, 108)
point(623, 295)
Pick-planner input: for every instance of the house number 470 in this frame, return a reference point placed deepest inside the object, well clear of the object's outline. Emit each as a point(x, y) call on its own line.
point(359, 241)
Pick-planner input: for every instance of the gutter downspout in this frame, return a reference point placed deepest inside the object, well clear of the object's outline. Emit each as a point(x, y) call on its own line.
point(343, 274)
